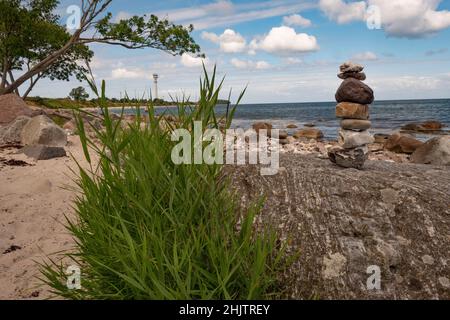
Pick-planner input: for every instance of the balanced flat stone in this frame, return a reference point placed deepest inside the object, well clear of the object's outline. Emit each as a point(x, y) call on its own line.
point(350, 110)
point(282, 135)
point(355, 75)
point(353, 90)
point(349, 139)
point(350, 67)
point(355, 124)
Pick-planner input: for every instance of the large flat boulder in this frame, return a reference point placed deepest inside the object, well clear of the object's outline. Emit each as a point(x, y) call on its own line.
point(42, 130)
point(11, 107)
point(346, 223)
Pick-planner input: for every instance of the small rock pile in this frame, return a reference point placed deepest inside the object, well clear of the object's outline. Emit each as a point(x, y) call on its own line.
point(354, 98)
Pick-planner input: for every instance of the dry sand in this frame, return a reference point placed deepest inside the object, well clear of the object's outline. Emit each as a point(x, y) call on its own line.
point(33, 203)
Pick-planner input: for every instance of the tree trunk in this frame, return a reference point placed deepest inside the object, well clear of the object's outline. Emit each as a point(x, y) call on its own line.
point(42, 65)
point(33, 83)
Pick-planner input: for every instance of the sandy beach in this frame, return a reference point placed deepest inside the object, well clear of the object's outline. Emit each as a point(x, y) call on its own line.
point(33, 204)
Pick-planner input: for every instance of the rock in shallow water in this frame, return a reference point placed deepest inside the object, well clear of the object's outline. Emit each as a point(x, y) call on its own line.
point(349, 158)
point(352, 90)
point(309, 133)
point(381, 137)
point(402, 143)
point(351, 139)
point(431, 125)
point(262, 126)
point(350, 110)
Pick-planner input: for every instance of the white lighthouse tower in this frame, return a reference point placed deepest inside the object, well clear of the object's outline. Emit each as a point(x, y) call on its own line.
point(155, 86)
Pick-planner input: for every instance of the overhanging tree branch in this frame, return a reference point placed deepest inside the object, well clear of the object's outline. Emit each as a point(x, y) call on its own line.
point(134, 33)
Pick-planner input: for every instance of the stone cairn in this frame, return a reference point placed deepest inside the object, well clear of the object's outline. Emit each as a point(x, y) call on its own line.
point(353, 97)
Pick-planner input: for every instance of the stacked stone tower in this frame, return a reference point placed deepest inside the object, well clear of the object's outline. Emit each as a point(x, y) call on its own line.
point(354, 98)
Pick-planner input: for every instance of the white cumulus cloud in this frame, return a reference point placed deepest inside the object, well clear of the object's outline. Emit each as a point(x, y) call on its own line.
point(412, 18)
point(124, 73)
point(284, 39)
point(343, 12)
point(297, 20)
point(399, 18)
point(189, 61)
point(247, 64)
point(365, 56)
point(229, 41)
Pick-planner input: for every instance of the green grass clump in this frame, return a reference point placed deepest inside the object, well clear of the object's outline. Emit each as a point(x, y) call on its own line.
point(150, 229)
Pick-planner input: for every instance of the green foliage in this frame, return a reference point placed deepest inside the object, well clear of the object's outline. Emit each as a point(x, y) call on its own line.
point(143, 31)
point(33, 41)
point(150, 229)
point(78, 94)
point(59, 103)
point(29, 32)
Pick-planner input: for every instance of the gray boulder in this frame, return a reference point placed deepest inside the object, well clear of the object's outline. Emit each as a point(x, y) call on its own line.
point(42, 130)
point(339, 223)
point(435, 151)
point(41, 152)
point(12, 133)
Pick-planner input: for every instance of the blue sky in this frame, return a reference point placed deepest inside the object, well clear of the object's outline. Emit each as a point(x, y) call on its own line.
point(285, 50)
